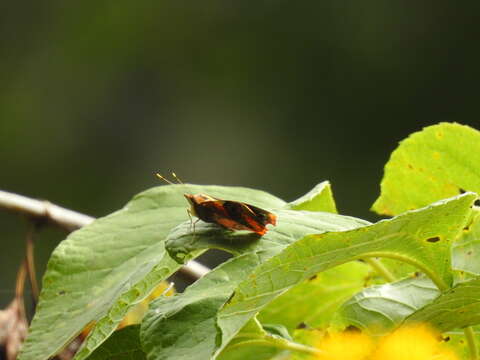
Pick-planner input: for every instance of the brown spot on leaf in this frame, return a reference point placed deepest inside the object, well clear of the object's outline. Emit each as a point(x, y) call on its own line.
point(352, 328)
point(302, 325)
point(433, 239)
point(311, 278)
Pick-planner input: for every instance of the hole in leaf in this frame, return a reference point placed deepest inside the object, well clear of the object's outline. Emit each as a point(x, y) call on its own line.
point(302, 325)
point(461, 191)
point(312, 277)
point(433, 239)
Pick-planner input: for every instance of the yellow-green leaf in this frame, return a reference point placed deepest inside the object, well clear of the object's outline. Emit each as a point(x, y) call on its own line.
point(438, 162)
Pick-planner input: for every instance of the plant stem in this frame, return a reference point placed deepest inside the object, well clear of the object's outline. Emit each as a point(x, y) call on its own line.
point(472, 344)
point(279, 343)
point(377, 265)
point(439, 283)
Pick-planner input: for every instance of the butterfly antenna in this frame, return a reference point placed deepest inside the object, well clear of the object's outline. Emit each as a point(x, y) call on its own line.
point(164, 179)
point(177, 178)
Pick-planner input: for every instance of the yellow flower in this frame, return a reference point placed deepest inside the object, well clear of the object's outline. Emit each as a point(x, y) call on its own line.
point(412, 342)
point(348, 345)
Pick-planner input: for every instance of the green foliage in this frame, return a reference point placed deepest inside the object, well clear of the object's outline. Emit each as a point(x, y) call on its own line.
point(100, 271)
point(124, 344)
point(403, 237)
point(164, 333)
point(315, 269)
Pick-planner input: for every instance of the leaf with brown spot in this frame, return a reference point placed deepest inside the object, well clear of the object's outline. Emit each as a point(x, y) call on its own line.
point(425, 168)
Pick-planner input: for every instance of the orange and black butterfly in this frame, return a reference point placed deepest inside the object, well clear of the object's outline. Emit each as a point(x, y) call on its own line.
point(233, 215)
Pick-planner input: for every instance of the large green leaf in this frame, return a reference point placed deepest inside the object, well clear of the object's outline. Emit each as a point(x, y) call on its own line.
point(100, 271)
point(436, 163)
point(124, 344)
point(380, 308)
point(458, 307)
point(185, 326)
point(413, 237)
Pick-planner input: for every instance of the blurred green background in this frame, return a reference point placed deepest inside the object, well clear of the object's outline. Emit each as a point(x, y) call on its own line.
point(96, 96)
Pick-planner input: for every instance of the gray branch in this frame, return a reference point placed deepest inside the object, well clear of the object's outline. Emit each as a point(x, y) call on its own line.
point(70, 220)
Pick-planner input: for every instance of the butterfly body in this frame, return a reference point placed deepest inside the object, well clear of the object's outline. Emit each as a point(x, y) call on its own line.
point(233, 215)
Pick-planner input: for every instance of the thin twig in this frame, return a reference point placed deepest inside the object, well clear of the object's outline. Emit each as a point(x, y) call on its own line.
point(71, 220)
point(30, 261)
point(20, 286)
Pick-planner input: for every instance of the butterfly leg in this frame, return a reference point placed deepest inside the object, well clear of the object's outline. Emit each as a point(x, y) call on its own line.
point(192, 223)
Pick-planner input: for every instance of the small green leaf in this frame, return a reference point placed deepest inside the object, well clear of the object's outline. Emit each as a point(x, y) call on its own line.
point(100, 271)
point(380, 308)
point(124, 344)
point(466, 250)
point(320, 198)
point(436, 163)
point(314, 301)
point(408, 237)
point(458, 307)
point(168, 326)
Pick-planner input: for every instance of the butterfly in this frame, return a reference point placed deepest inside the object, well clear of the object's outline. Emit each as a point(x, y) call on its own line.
point(232, 215)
